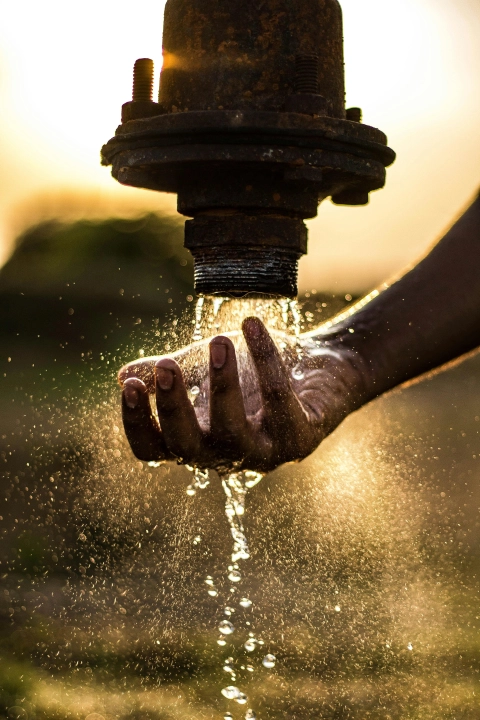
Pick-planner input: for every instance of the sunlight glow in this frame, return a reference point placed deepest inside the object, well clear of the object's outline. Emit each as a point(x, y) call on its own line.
point(412, 65)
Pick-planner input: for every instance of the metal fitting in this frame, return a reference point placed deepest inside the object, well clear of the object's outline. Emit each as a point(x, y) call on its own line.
point(141, 105)
point(251, 133)
point(354, 114)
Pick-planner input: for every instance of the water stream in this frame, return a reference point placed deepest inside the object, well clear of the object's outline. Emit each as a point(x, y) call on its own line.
point(283, 315)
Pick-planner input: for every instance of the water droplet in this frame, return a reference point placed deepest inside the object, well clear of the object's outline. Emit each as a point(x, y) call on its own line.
point(209, 580)
point(250, 715)
point(250, 645)
point(201, 478)
point(228, 668)
point(250, 668)
point(269, 661)
point(228, 716)
point(234, 576)
point(191, 490)
point(240, 554)
point(239, 507)
point(195, 390)
point(226, 627)
point(337, 608)
point(197, 335)
point(245, 602)
point(221, 641)
point(409, 646)
point(252, 478)
point(231, 692)
point(197, 539)
point(297, 373)
point(154, 464)
point(241, 699)
point(228, 611)
point(212, 593)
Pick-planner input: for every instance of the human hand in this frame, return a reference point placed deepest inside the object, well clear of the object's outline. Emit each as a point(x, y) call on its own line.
point(255, 409)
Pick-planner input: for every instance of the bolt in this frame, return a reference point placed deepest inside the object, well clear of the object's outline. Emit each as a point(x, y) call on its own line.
point(352, 196)
point(306, 74)
point(354, 114)
point(142, 80)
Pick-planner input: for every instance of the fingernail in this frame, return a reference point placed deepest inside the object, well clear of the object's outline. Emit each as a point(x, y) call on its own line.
point(131, 395)
point(218, 353)
point(164, 378)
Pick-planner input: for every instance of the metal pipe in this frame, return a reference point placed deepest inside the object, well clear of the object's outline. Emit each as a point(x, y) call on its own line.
point(251, 132)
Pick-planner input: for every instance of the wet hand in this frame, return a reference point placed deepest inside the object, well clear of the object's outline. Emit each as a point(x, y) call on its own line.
point(278, 411)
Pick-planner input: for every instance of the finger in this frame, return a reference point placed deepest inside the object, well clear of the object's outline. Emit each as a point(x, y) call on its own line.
point(143, 369)
point(283, 411)
point(228, 421)
point(178, 421)
point(141, 427)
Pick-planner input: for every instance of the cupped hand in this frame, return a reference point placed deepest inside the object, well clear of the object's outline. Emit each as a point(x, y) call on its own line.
point(276, 408)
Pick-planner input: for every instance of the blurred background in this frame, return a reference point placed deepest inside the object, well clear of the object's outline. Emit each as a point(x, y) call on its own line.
point(103, 607)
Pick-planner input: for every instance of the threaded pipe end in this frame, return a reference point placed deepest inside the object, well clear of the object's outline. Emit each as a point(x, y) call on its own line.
point(142, 80)
point(306, 74)
point(240, 271)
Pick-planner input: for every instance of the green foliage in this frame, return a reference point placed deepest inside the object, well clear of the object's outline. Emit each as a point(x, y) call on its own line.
point(16, 685)
point(30, 553)
point(83, 287)
point(53, 254)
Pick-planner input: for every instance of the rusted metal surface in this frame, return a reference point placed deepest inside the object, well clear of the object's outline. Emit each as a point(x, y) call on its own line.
point(241, 54)
point(238, 253)
point(239, 271)
point(251, 132)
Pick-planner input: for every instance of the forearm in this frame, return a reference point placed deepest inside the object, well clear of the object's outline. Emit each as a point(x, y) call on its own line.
point(428, 317)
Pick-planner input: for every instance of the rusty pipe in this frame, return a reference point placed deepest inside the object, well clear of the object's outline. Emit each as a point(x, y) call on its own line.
point(251, 132)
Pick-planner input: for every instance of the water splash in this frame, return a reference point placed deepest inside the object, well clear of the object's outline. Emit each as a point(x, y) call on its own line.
point(198, 334)
point(217, 304)
point(201, 479)
point(235, 489)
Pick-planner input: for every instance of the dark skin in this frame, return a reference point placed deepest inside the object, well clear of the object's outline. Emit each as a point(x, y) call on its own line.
point(425, 319)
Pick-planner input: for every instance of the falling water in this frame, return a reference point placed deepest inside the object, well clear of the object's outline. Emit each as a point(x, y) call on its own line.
point(197, 333)
point(237, 484)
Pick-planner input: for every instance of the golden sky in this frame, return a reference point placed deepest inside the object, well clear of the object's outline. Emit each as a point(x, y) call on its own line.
point(412, 65)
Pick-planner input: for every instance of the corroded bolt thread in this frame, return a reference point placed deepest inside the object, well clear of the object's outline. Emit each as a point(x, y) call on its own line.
point(306, 74)
point(142, 80)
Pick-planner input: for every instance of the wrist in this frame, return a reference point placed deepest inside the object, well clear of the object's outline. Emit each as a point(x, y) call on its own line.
point(359, 350)
point(346, 377)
